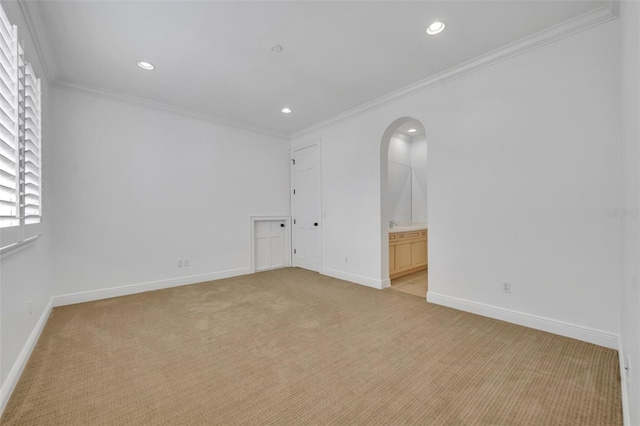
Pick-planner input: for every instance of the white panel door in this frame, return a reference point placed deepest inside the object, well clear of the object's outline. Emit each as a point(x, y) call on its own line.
point(269, 244)
point(306, 208)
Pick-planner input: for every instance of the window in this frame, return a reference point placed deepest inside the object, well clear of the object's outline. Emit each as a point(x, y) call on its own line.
point(20, 134)
point(32, 184)
point(9, 152)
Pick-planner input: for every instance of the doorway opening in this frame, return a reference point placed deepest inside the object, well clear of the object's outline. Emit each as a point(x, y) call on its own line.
point(403, 195)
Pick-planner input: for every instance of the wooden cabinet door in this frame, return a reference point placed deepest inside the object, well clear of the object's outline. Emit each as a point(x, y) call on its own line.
point(403, 256)
point(418, 253)
point(392, 259)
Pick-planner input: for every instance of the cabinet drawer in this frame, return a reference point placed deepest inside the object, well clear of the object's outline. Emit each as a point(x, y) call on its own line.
point(408, 235)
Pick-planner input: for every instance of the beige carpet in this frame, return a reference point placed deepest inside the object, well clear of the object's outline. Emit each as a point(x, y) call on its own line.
point(291, 347)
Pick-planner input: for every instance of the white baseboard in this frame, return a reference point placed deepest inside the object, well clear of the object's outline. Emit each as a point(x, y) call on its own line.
point(358, 279)
point(386, 283)
point(623, 385)
point(89, 296)
point(586, 334)
point(18, 367)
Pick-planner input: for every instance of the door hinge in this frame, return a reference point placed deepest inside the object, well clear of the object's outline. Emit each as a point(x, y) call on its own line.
point(293, 160)
point(294, 251)
point(294, 192)
point(294, 221)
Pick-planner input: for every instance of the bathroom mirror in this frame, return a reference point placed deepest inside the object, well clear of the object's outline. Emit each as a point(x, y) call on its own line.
point(407, 175)
point(399, 192)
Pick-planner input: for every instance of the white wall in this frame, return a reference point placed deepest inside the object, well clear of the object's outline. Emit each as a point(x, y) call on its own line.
point(630, 312)
point(419, 179)
point(138, 188)
point(523, 160)
point(400, 150)
point(25, 274)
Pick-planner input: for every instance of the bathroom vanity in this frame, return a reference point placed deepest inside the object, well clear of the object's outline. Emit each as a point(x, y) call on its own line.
point(407, 250)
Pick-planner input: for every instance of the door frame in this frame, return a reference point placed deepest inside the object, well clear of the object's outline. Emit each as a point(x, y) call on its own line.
point(384, 193)
point(287, 237)
point(321, 214)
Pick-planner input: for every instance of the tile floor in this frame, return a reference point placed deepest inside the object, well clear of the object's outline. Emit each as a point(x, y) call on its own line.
point(415, 284)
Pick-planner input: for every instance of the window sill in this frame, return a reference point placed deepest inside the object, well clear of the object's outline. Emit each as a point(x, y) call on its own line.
point(13, 248)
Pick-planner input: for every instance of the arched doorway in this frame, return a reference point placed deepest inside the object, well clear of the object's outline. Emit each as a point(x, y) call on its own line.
point(403, 227)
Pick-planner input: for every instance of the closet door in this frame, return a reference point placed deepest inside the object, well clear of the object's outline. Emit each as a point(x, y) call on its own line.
point(269, 244)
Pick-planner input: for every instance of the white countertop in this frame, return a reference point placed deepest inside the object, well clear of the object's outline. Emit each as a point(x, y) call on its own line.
point(409, 227)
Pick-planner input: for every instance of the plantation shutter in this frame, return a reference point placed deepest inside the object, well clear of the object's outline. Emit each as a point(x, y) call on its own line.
point(31, 190)
point(9, 137)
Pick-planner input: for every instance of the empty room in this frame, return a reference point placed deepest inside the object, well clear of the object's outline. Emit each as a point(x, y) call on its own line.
point(319, 212)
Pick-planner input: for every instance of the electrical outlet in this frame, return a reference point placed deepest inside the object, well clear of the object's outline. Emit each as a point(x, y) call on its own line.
point(506, 287)
point(180, 263)
point(346, 259)
point(186, 263)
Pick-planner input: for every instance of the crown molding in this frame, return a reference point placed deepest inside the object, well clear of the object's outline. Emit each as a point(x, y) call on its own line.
point(585, 21)
point(31, 13)
point(170, 108)
point(577, 24)
point(35, 25)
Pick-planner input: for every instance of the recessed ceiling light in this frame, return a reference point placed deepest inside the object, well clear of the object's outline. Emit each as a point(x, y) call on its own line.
point(146, 65)
point(436, 28)
point(286, 110)
point(411, 130)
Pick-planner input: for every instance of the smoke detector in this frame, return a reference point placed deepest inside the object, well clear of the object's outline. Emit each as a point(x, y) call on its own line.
point(276, 48)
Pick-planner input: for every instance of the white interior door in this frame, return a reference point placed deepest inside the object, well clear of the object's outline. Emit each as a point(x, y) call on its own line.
point(306, 208)
point(269, 244)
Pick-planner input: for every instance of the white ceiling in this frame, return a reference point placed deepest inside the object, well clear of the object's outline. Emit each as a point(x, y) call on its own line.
point(214, 57)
